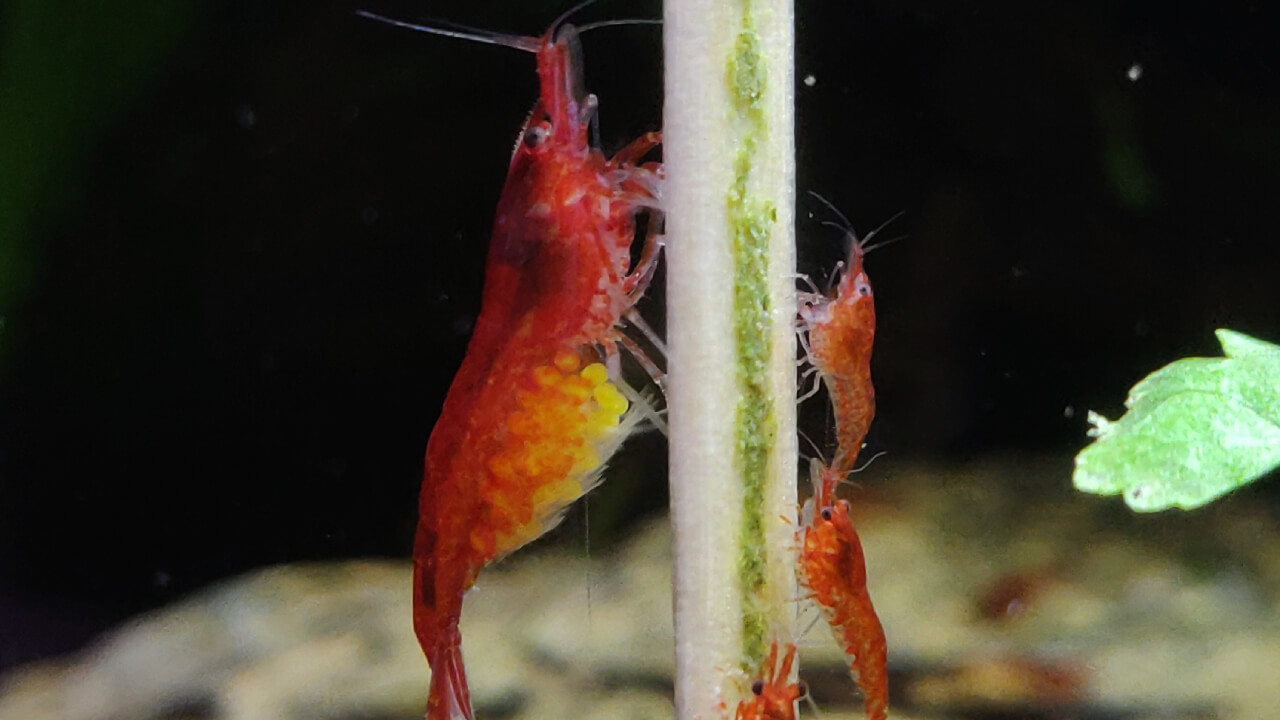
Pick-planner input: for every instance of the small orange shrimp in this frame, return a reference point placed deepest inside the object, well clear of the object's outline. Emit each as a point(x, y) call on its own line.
point(837, 335)
point(834, 569)
point(537, 406)
point(773, 697)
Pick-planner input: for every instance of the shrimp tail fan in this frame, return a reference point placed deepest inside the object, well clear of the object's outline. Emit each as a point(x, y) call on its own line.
point(449, 698)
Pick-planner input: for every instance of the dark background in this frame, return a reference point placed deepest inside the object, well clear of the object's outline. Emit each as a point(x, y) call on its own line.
point(241, 247)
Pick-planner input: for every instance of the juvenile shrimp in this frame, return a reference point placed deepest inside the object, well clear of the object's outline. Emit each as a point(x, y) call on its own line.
point(837, 334)
point(834, 570)
point(537, 406)
point(773, 696)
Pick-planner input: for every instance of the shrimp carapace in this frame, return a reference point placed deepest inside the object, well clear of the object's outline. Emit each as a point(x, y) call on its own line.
point(537, 406)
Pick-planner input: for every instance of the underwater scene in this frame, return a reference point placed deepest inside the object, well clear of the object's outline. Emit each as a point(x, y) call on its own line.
point(727, 359)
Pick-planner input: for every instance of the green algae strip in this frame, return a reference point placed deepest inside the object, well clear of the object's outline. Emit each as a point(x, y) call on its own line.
point(751, 220)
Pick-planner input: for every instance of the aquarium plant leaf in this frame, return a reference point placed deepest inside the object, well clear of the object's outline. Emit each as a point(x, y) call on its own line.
point(1194, 430)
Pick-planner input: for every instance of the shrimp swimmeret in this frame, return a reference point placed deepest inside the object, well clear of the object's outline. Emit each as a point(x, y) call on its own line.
point(537, 407)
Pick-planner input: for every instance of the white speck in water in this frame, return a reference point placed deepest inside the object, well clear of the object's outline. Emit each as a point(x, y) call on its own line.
point(1134, 73)
point(810, 80)
point(1068, 412)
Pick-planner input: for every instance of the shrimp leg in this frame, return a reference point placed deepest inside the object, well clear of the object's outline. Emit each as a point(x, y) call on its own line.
point(650, 367)
point(813, 389)
point(642, 274)
point(645, 408)
point(649, 333)
point(637, 149)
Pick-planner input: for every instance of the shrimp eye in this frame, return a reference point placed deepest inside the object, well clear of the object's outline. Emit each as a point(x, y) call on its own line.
point(864, 290)
point(802, 687)
point(757, 687)
point(826, 514)
point(535, 136)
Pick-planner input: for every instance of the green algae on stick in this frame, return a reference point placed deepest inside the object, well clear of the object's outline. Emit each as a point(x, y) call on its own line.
point(729, 203)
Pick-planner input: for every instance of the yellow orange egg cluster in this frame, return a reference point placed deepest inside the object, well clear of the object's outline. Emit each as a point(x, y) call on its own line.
point(550, 451)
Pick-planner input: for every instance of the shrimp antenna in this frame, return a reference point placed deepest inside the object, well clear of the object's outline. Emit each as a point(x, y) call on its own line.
point(564, 17)
point(867, 464)
point(489, 37)
point(462, 32)
point(817, 452)
point(848, 226)
point(882, 243)
point(842, 227)
point(882, 226)
point(849, 481)
point(618, 23)
point(864, 248)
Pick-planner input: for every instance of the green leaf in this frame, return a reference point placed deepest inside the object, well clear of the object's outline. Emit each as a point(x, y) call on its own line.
point(1195, 429)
